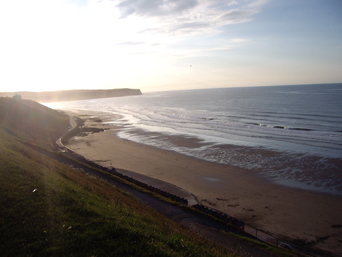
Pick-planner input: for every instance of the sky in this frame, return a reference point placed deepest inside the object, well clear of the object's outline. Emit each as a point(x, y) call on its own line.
point(158, 45)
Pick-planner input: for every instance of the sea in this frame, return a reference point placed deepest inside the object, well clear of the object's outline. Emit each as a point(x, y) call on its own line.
point(290, 135)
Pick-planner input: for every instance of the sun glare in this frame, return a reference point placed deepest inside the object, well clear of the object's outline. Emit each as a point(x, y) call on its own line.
point(90, 47)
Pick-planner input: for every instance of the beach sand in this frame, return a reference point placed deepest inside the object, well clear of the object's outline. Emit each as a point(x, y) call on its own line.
point(280, 210)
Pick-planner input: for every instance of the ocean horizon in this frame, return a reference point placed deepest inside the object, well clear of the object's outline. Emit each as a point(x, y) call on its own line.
point(291, 135)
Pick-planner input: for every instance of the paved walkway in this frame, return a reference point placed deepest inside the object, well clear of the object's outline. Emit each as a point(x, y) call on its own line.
point(161, 185)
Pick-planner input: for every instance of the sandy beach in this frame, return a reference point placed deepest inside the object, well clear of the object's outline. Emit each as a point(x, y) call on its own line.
point(283, 211)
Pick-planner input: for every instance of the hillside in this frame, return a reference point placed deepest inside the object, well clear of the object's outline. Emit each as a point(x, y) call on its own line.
point(51, 209)
point(72, 95)
point(32, 121)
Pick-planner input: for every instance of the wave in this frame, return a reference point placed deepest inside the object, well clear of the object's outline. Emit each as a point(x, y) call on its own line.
point(280, 127)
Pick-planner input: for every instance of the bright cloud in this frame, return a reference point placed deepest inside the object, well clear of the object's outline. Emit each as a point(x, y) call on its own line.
point(186, 18)
point(155, 8)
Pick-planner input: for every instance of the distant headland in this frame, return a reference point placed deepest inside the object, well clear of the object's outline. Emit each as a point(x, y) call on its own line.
point(72, 95)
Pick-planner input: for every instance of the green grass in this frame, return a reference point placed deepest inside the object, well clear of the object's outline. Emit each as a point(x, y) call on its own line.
point(32, 121)
point(49, 209)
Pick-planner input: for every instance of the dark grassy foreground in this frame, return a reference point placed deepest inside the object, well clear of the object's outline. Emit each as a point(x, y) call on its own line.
point(50, 209)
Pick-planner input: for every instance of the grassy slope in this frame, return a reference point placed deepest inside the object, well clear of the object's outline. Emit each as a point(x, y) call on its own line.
point(69, 213)
point(32, 121)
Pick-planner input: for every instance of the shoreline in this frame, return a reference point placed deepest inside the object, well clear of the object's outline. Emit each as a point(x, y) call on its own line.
point(281, 210)
point(288, 168)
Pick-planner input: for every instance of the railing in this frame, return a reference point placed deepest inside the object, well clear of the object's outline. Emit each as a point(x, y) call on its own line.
point(267, 237)
point(283, 243)
point(260, 234)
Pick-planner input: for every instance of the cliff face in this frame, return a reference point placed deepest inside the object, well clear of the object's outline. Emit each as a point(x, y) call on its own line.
point(72, 95)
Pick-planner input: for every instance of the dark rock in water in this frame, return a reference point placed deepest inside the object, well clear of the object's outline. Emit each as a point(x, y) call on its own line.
point(279, 127)
point(303, 129)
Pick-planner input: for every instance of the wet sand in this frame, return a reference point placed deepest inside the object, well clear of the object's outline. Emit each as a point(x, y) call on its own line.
point(283, 211)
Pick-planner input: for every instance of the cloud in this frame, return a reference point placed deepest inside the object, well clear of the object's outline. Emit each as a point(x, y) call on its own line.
point(154, 8)
point(257, 3)
point(181, 29)
point(237, 16)
point(188, 17)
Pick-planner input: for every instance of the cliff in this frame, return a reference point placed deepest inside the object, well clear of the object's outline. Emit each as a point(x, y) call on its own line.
point(72, 95)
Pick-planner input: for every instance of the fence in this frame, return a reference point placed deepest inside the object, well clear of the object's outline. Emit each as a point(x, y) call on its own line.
point(260, 234)
point(267, 237)
point(283, 243)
